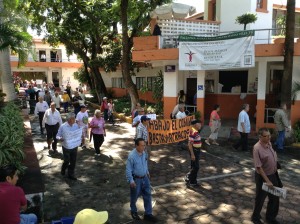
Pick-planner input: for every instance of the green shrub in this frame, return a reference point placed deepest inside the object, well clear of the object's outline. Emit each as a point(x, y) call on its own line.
point(296, 131)
point(11, 136)
point(123, 105)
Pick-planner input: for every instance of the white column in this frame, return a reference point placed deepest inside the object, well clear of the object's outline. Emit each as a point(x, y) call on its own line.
point(200, 84)
point(262, 80)
point(170, 84)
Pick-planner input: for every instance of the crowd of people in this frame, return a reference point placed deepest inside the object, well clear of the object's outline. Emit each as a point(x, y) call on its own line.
point(137, 172)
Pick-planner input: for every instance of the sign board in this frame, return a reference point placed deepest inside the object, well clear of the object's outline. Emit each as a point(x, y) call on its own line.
point(169, 131)
point(234, 50)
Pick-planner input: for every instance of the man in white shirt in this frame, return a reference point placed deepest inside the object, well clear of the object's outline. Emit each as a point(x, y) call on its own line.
point(243, 128)
point(181, 113)
point(39, 110)
point(52, 121)
point(82, 120)
point(57, 100)
point(175, 111)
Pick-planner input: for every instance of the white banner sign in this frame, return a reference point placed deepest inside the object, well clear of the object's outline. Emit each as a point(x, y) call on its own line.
point(234, 50)
point(72, 139)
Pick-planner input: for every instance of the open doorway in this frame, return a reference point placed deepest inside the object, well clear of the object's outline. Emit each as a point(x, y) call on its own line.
point(55, 79)
point(191, 90)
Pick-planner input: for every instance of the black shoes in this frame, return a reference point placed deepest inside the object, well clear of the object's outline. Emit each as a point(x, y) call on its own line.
point(257, 221)
point(62, 172)
point(274, 221)
point(150, 218)
point(72, 177)
point(135, 216)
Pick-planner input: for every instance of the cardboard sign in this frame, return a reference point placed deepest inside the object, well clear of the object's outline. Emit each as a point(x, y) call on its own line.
point(169, 131)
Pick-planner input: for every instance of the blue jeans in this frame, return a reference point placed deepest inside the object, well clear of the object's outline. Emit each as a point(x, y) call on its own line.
point(142, 188)
point(280, 139)
point(28, 219)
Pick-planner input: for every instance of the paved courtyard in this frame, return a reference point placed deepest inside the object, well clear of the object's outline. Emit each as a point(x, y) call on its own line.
point(226, 194)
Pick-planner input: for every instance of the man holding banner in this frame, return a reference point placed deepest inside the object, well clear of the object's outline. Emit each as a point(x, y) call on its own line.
point(194, 150)
point(71, 135)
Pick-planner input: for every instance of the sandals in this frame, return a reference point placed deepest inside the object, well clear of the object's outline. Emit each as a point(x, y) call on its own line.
point(207, 142)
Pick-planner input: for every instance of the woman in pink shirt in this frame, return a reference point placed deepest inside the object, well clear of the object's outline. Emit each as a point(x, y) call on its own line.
point(97, 125)
point(214, 124)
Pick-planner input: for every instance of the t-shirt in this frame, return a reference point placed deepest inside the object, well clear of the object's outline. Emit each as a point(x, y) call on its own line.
point(12, 198)
point(244, 118)
point(82, 118)
point(195, 138)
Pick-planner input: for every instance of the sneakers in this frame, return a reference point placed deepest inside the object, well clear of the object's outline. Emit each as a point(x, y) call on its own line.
point(150, 218)
point(135, 216)
point(186, 179)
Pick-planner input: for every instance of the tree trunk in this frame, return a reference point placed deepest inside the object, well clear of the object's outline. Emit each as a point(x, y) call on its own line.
point(286, 84)
point(6, 79)
point(130, 86)
point(100, 85)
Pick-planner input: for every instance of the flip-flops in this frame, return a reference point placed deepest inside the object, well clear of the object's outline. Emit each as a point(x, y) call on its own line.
point(207, 142)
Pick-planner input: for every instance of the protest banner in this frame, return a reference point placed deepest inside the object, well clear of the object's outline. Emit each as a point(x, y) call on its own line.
point(169, 131)
point(72, 139)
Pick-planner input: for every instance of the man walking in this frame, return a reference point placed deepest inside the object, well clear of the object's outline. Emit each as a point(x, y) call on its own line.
point(265, 162)
point(194, 150)
point(243, 128)
point(282, 125)
point(40, 109)
point(52, 121)
point(64, 134)
point(57, 100)
point(138, 177)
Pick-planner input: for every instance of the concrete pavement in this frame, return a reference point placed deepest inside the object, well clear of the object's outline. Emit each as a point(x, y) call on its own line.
point(226, 194)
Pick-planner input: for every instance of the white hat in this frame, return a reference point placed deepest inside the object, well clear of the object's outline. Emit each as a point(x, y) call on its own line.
point(104, 98)
point(90, 216)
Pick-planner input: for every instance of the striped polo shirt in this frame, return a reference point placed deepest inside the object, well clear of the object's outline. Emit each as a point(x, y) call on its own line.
point(195, 138)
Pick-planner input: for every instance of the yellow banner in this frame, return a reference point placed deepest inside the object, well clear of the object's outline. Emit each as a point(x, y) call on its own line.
point(169, 131)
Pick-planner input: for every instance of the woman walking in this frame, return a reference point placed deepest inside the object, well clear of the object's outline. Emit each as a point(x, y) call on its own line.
point(214, 124)
point(97, 125)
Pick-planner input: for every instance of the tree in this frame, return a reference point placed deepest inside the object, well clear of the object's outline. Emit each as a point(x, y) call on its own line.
point(246, 19)
point(135, 17)
point(286, 84)
point(13, 25)
point(86, 28)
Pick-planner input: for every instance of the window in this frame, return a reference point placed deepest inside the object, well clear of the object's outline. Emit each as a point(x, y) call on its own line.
point(140, 82)
point(262, 6)
point(150, 83)
point(117, 82)
point(234, 81)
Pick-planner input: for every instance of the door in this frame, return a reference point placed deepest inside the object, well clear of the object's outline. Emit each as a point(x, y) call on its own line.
point(55, 78)
point(191, 90)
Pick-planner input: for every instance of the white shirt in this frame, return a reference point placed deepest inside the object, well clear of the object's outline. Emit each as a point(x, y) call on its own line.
point(136, 120)
point(79, 118)
point(56, 100)
point(180, 115)
point(244, 118)
point(40, 107)
point(52, 118)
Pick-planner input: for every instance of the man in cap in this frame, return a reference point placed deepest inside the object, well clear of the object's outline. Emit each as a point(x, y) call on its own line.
point(82, 120)
point(142, 131)
point(91, 216)
point(194, 146)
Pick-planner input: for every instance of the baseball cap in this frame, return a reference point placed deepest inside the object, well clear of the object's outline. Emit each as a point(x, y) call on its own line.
point(195, 121)
point(90, 216)
point(145, 118)
point(82, 106)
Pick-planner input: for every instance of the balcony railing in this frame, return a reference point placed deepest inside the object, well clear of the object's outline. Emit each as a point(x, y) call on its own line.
point(30, 59)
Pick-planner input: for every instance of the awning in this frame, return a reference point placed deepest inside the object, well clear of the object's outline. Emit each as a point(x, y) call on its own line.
point(173, 11)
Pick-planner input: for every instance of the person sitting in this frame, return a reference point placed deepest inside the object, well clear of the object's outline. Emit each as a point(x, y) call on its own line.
point(12, 198)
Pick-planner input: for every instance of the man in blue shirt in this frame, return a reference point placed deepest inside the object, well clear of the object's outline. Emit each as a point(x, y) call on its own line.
point(138, 177)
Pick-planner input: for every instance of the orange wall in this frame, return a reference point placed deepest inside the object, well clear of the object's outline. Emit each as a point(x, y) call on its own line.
point(145, 43)
point(230, 104)
point(169, 104)
point(295, 112)
point(161, 54)
point(49, 64)
point(201, 108)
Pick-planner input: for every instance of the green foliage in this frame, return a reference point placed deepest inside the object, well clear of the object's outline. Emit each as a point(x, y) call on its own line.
point(280, 22)
point(158, 92)
point(123, 105)
point(296, 131)
point(11, 136)
point(197, 115)
point(81, 75)
point(246, 19)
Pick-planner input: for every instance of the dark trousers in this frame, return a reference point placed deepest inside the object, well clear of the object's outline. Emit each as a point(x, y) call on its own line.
point(273, 203)
point(51, 133)
point(32, 103)
point(242, 142)
point(192, 175)
point(105, 115)
point(66, 105)
point(70, 156)
point(76, 110)
point(98, 141)
point(41, 116)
